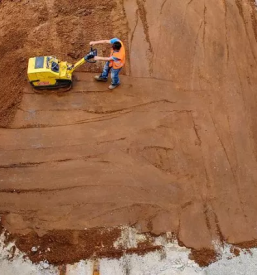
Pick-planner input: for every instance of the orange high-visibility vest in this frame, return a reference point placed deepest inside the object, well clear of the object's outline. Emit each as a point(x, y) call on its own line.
point(121, 55)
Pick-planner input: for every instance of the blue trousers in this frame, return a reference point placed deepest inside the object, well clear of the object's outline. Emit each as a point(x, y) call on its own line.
point(114, 73)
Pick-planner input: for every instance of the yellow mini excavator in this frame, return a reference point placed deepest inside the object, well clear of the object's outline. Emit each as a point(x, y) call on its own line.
point(47, 72)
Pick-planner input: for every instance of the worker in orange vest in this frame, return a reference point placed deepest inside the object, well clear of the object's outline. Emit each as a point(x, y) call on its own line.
point(114, 63)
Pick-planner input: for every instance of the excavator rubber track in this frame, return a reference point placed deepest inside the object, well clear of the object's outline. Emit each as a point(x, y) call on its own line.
point(62, 86)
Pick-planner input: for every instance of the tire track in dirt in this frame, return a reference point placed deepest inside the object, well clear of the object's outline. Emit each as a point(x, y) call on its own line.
point(245, 22)
point(38, 125)
point(108, 114)
point(226, 27)
point(49, 190)
point(143, 17)
point(115, 110)
point(33, 164)
point(133, 31)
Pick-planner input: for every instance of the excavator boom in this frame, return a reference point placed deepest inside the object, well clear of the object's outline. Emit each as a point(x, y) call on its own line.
point(88, 58)
point(78, 64)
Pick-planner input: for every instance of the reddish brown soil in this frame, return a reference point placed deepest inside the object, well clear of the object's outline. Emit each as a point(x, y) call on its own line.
point(62, 247)
point(173, 149)
point(235, 251)
point(203, 257)
point(70, 246)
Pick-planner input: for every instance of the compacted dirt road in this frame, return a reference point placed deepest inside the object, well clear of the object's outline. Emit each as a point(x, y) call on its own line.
point(171, 150)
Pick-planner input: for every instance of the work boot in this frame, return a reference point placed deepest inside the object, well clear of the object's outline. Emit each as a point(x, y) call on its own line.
point(99, 78)
point(111, 87)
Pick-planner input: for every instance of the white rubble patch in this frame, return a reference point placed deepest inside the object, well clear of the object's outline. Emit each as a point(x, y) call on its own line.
point(83, 268)
point(129, 238)
point(228, 264)
point(172, 260)
point(16, 264)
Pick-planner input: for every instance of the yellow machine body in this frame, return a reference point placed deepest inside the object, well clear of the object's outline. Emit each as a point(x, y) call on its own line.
point(47, 72)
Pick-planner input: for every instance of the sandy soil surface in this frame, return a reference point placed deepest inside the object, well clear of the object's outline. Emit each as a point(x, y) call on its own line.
point(173, 149)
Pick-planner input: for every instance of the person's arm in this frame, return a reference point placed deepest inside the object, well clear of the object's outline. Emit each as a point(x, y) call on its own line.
point(92, 43)
point(111, 41)
point(100, 58)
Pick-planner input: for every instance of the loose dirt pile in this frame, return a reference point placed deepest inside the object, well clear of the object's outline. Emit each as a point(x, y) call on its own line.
point(173, 149)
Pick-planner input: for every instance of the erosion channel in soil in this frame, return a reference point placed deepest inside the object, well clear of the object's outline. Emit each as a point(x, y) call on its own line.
point(173, 149)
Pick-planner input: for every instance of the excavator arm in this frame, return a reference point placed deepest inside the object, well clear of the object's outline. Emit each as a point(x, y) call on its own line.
point(88, 58)
point(78, 64)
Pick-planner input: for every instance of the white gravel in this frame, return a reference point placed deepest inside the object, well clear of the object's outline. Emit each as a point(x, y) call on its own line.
point(17, 265)
point(172, 260)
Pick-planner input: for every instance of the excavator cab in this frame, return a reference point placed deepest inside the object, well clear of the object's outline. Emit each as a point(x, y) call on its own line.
point(55, 67)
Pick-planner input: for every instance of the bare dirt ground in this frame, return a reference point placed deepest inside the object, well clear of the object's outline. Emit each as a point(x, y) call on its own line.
point(173, 149)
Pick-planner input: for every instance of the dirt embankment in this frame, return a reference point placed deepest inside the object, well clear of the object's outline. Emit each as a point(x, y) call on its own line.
point(173, 149)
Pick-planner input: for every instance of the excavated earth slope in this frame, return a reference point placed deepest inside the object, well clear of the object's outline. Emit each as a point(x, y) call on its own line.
point(173, 149)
